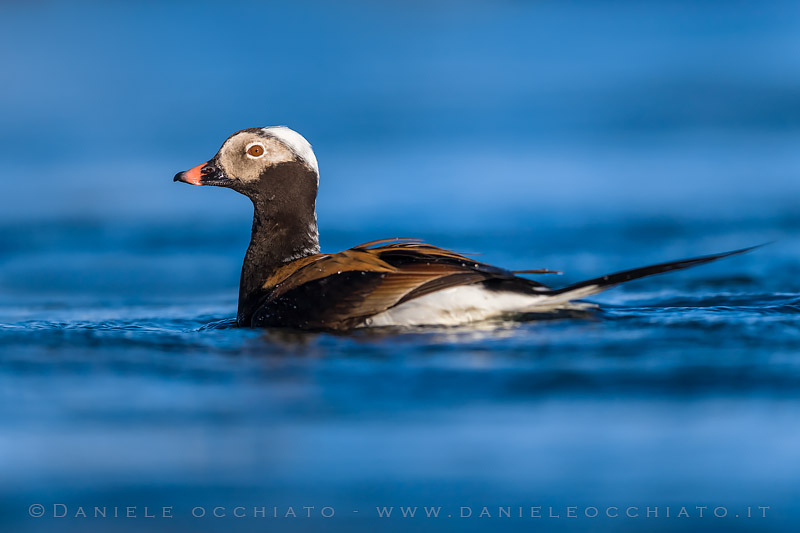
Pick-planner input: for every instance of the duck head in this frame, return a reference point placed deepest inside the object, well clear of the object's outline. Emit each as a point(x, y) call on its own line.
point(265, 164)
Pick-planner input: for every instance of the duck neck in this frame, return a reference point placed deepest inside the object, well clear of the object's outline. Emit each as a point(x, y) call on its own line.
point(278, 237)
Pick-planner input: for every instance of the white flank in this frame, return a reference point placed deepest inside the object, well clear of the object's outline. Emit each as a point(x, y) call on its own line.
point(296, 143)
point(464, 304)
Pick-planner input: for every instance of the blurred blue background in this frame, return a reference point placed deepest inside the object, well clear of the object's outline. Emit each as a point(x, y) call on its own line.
point(582, 136)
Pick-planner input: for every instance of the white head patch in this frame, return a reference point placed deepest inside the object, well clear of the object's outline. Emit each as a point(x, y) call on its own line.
point(295, 142)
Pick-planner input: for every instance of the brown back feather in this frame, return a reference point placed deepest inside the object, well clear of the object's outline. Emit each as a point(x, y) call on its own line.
point(393, 271)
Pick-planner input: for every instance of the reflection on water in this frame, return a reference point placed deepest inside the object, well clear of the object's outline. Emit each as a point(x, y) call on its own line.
point(125, 382)
point(679, 390)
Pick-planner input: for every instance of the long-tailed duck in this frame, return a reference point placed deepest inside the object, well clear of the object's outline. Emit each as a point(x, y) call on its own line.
point(287, 282)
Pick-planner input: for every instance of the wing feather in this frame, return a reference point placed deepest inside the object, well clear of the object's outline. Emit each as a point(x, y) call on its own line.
point(339, 291)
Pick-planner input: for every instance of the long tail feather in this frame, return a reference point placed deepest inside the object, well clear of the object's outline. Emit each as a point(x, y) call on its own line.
point(593, 286)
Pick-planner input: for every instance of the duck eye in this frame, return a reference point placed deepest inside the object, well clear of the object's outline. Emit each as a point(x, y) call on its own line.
point(255, 150)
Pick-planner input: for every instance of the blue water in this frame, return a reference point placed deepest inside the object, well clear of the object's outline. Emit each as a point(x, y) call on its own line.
point(575, 137)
